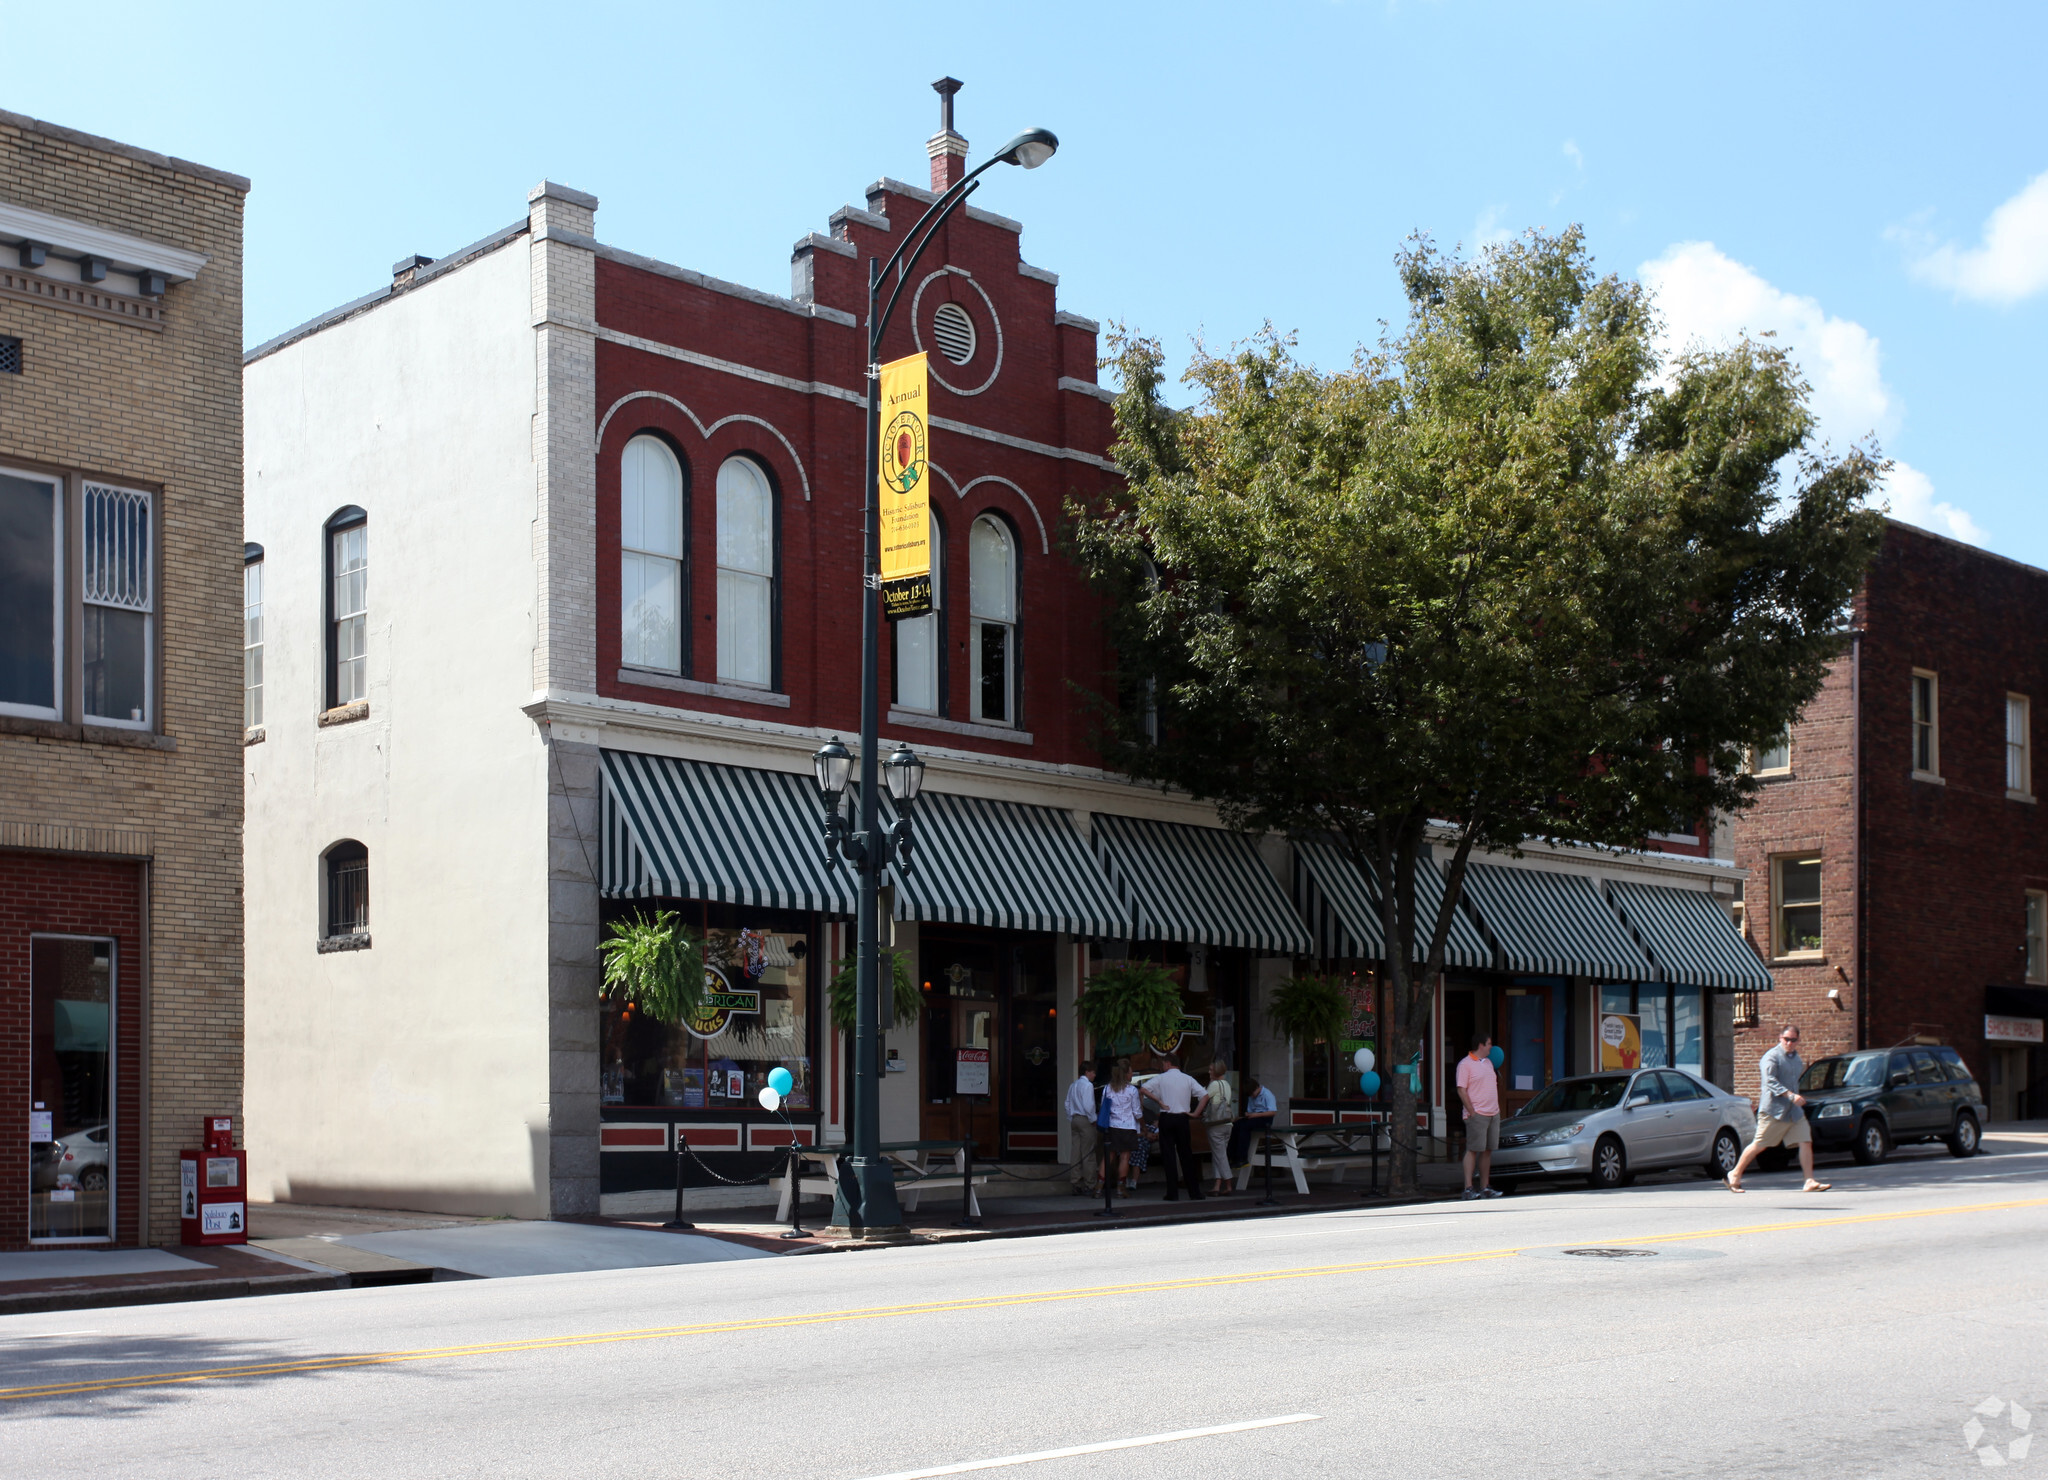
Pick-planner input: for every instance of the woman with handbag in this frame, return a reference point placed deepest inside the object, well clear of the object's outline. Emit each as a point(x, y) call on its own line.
point(1118, 1117)
point(1218, 1112)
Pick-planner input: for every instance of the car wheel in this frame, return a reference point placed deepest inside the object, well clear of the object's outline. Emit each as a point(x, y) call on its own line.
point(1727, 1152)
point(1963, 1141)
point(1873, 1144)
point(1610, 1165)
point(93, 1181)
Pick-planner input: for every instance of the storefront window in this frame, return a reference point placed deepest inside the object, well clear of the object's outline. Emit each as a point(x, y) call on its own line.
point(1653, 1015)
point(1688, 1030)
point(756, 1020)
point(71, 1163)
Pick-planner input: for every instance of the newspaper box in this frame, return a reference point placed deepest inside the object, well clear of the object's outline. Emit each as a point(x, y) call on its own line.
point(213, 1199)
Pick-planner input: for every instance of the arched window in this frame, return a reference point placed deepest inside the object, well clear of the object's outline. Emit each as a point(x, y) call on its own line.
point(347, 890)
point(746, 574)
point(348, 607)
point(919, 641)
point(650, 556)
point(992, 621)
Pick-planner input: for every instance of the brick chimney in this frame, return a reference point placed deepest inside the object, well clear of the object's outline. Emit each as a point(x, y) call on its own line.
point(947, 149)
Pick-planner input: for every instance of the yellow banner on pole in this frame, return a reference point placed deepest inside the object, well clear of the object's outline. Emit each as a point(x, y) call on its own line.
point(905, 469)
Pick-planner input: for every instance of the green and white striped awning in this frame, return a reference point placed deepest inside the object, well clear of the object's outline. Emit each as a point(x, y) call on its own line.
point(1690, 937)
point(983, 862)
point(680, 829)
point(1341, 904)
point(1553, 924)
point(1197, 884)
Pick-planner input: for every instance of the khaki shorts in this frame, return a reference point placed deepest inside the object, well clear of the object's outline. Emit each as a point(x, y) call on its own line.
point(1772, 1132)
point(1482, 1133)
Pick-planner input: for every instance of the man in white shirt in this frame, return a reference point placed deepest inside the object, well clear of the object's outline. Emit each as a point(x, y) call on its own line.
point(1087, 1139)
point(1178, 1097)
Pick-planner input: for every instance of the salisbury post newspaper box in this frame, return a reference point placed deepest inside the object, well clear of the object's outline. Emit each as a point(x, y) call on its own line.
point(213, 1205)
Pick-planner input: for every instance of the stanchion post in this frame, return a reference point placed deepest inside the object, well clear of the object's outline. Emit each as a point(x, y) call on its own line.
point(967, 1218)
point(682, 1150)
point(796, 1227)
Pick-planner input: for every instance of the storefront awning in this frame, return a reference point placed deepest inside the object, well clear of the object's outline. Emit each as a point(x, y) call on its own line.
point(1197, 884)
point(1344, 914)
point(1690, 937)
point(679, 829)
point(1005, 864)
point(1552, 924)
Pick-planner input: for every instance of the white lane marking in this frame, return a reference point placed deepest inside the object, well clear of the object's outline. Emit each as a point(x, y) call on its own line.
point(48, 1335)
point(1028, 1459)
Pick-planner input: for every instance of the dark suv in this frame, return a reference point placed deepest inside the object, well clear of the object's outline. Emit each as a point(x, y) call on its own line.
point(1869, 1102)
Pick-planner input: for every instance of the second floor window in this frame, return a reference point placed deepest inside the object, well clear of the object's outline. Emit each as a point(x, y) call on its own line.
point(349, 559)
point(746, 575)
point(2019, 749)
point(919, 640)
point(118, 559)
point(252, 642)
point(1772, 759)
point(992, 621)
point(651, 556)
point(1926, 724)
point(348, 889)
point(31, 594)
point(1795, 901)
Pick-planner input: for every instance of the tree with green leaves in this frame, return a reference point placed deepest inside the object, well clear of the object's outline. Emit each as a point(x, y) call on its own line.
point(1510, 576)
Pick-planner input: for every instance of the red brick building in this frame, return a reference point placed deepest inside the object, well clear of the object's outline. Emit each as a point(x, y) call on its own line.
point(1898, 857)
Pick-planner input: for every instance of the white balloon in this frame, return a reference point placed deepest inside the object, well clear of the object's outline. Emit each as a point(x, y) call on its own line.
point(1363, 1060)
point(769, 1099)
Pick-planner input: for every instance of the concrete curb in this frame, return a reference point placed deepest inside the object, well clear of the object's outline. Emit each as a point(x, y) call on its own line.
point(170, 1291)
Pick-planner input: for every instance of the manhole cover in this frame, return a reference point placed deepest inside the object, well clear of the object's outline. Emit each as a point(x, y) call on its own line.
point(1611, 1253)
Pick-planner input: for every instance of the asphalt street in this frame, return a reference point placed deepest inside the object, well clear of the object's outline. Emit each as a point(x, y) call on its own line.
point(1854, 1333)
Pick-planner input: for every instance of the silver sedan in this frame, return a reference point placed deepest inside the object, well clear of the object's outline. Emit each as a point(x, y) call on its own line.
point(1608, 1127)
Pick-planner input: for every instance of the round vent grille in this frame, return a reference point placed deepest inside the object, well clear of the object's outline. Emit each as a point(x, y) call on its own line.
point(955, 333)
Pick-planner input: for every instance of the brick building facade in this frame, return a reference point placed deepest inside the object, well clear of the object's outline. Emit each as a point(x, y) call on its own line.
point(1909, 781)
point(121, 637)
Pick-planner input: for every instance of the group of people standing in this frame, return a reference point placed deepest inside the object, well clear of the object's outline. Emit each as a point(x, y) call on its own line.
point(1114, 1127)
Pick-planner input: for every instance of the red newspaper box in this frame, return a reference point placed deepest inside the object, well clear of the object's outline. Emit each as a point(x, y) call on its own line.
point(213, 1198)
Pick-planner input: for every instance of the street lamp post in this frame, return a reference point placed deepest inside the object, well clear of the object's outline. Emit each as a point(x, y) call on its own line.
point(866, 1199)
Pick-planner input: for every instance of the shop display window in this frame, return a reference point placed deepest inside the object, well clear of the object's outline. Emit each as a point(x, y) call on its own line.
point(71, 1166)
point(756, 1019)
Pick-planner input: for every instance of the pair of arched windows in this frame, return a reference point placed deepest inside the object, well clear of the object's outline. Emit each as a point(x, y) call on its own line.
point(653, 565)
point(992, 611)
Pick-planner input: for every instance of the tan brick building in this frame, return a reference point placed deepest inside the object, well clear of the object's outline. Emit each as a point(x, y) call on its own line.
point(121, 677)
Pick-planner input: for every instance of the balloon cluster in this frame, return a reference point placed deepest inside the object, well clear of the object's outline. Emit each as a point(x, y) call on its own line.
point(780, 1083)
point(1368, 1081)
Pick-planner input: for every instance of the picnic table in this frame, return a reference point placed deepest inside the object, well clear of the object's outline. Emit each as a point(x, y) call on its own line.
point(1302, 1149)
point(915, 1172)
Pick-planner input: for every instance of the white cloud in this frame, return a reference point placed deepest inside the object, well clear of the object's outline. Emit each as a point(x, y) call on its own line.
point(1911, 494)
point(1488, 231)
point(1709, 299)
point(2011, 263)
point(1571, 152)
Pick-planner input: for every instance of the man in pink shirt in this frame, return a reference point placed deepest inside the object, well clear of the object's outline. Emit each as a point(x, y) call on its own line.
point(1480, 1091)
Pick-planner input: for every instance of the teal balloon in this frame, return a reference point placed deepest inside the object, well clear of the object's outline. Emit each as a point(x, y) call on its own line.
point(781, 1081)
point(1363, 1061)
point(1370, 1083)
point(1496, 1055)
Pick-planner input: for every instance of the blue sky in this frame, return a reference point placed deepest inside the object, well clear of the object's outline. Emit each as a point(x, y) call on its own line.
point(1870, 180)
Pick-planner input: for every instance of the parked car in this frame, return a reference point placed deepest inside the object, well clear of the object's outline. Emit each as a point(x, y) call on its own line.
point(1608, 1127)
point(1869, 1102)
point(76, 1160)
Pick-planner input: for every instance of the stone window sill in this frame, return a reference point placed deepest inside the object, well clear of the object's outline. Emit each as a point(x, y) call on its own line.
point(1930, 776)
point(333, 943)
point(913, 720)
point(650, 679)
point(1801, 958)
point(2020, 796)
point(345, 714)
point(254, 735)
point(57, 729)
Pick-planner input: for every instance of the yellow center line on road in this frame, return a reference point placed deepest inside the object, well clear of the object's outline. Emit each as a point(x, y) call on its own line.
point(946, 1307)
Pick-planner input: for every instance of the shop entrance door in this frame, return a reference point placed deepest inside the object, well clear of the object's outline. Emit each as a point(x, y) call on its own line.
point(2007, 1090)
point(70, 1116)
point(1526, 1051)
point(963, 1069)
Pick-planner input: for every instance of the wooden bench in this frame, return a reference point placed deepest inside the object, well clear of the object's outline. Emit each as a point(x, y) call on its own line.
point(914, 1173)
point(1302, 1149)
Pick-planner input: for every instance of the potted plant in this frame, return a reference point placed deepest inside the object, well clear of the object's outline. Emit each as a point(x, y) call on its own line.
point(654, 966)
point(1311, 1009)
point(907, 1000)
point(1128, 1004)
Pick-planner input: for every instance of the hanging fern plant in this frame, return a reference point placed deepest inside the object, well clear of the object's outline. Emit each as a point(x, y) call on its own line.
point(1311, 1009)
point(1130, 1004)
point(909, 1002)
point(657, 965)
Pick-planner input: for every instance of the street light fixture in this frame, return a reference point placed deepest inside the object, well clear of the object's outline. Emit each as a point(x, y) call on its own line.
point(864, 1199)
point(833, 765)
